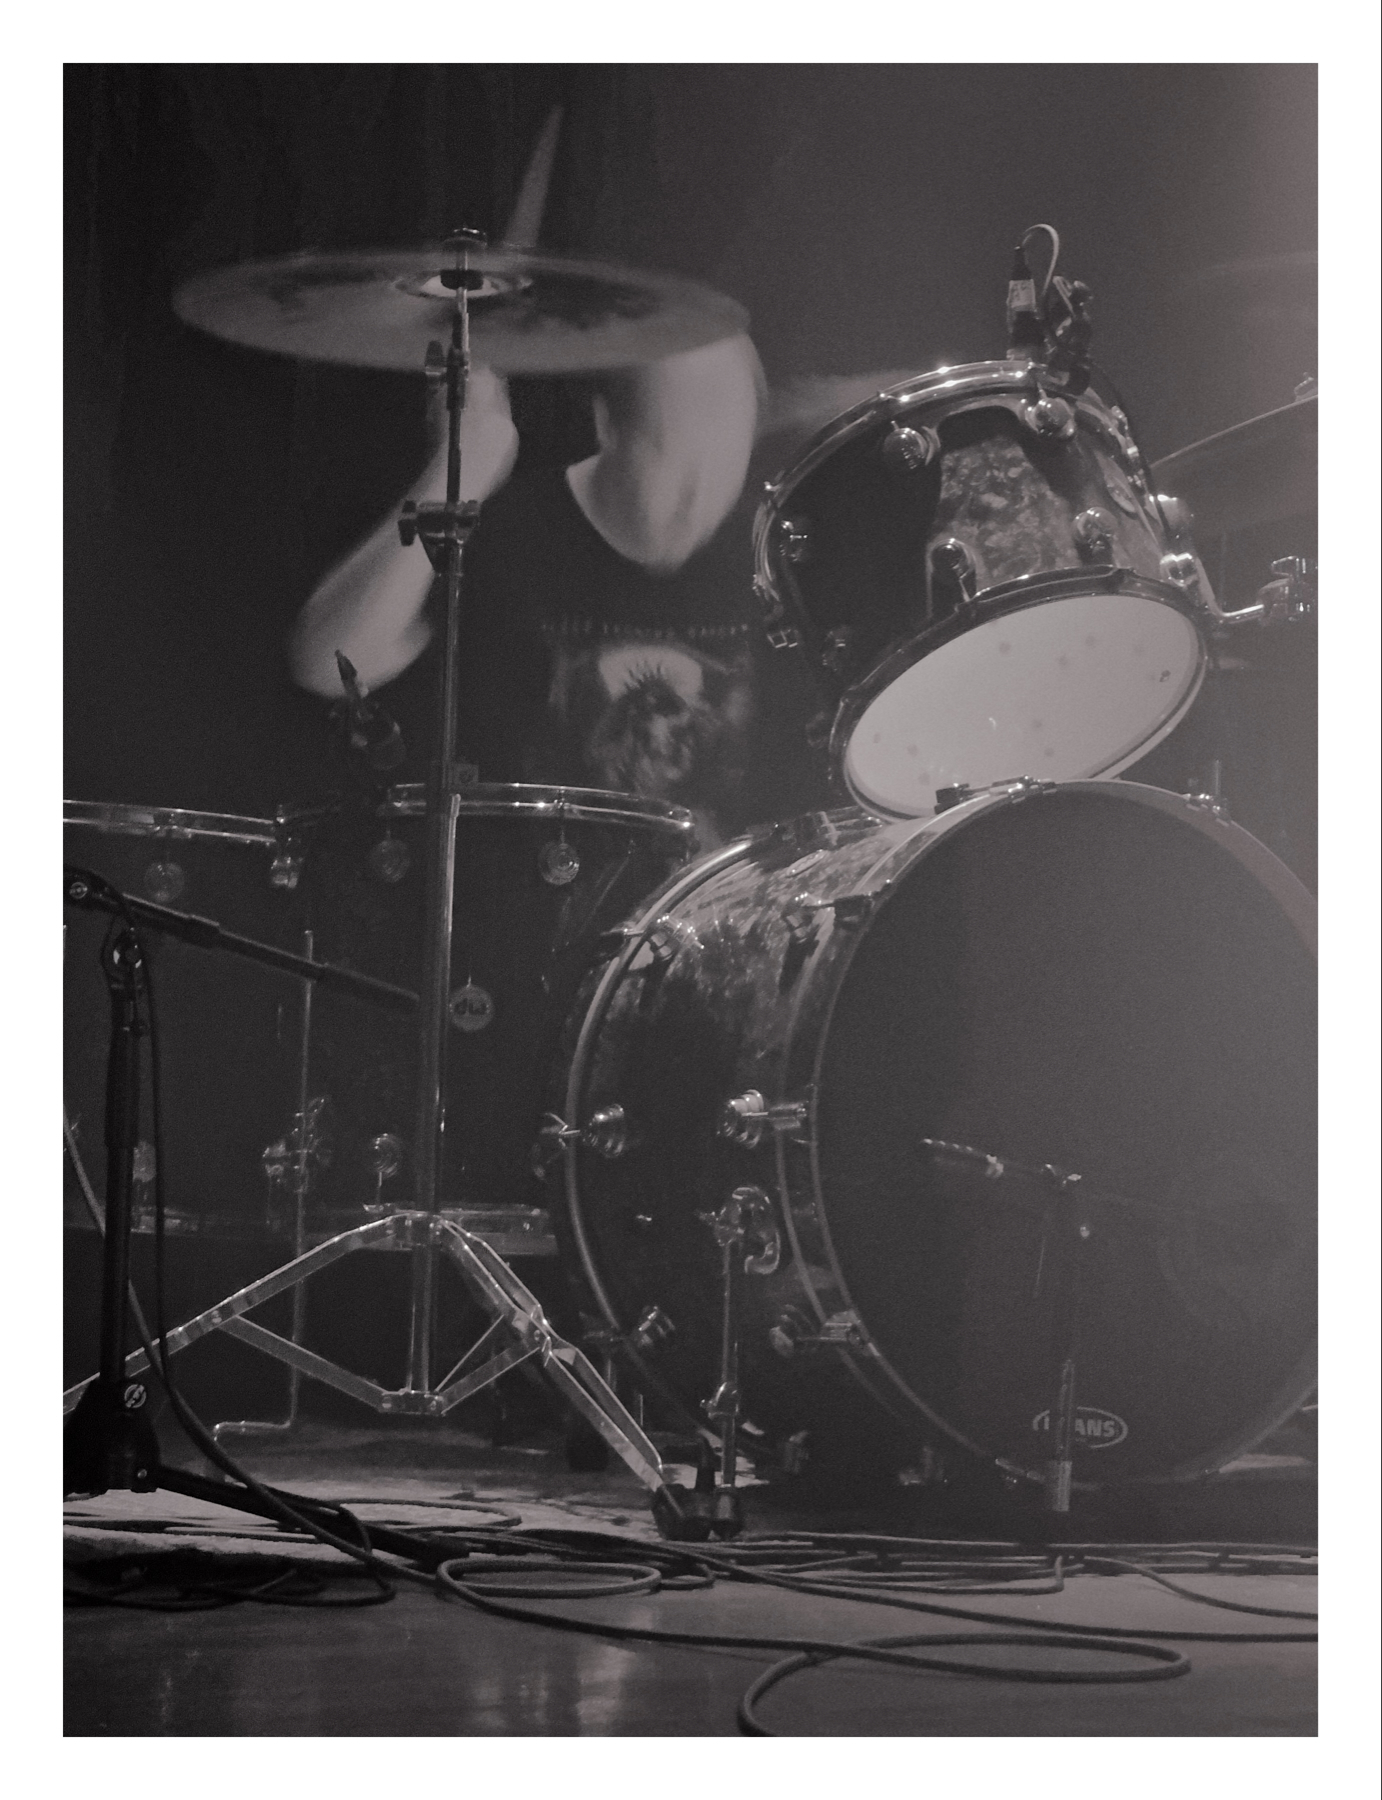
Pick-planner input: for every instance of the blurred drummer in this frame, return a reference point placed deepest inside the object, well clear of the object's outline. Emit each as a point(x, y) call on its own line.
point(608, 635)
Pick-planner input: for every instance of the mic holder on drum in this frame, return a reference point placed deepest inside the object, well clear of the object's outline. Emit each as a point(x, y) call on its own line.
point(1066, 1206)
point(965, 1159)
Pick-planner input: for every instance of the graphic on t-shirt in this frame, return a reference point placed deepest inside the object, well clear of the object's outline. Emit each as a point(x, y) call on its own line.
point(656, 718)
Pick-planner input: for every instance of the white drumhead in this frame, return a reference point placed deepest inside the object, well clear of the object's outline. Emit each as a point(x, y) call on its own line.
point(1064, 690)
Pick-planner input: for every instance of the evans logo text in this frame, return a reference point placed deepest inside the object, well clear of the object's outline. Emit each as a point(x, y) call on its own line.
point(1095, 1429)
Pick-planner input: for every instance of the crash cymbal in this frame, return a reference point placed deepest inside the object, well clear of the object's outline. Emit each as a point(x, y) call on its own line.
point(1265, 468)
point(533, 314)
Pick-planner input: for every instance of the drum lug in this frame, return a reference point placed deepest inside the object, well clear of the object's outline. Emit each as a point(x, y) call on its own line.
point(747, 1117)
point(790, 1332)
point(843, 1328)
point(653, 1328)
point(1050, 417)
point(285, 871)
point(794, 538)
point(905, 449)
point(389, 860)
point(557, 863)
point(606, 1133)
point(1094, 529)
point(952, 563)
point(835, 652)
point(850, 910)
point(1290, 595)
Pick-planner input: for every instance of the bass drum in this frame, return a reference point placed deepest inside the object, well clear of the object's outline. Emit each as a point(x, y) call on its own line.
point(1098, 977)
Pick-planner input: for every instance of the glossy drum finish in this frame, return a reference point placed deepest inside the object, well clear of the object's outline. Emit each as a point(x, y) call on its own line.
point(976, 564)
point(540, 873)
point(1096, 976)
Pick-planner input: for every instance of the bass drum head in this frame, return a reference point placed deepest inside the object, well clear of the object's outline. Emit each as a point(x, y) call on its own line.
point(1098, 980)
point(1063, 690)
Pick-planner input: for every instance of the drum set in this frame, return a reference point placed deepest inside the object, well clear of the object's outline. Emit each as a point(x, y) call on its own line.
point(970, 1121)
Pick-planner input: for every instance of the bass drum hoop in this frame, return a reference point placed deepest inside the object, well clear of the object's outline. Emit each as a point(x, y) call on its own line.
point(684, 882)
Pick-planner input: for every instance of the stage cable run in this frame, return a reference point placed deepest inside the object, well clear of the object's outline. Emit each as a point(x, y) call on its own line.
point(491, 1566)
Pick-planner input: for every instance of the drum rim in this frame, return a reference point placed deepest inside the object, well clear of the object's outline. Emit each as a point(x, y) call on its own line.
point(946, 382)
point(546, 801)
point(1002, 601)
point(175, 823)
point(1298, 906)
point(676, 887)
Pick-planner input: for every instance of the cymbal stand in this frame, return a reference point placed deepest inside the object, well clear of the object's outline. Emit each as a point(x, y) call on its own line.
point(443, 529)
point(515, 1313)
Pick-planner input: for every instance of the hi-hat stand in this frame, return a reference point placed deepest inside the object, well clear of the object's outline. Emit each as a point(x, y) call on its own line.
point(518, 1329)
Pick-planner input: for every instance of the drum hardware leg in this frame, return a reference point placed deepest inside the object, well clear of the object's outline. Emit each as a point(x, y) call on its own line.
point(306, 1151)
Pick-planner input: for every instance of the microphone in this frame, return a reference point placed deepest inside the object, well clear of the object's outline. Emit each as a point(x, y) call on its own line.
point(369, 729)
point(1026, 334)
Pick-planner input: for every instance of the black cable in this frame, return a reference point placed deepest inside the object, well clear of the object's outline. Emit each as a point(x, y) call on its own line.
point(1169, 1663)
point(196, 1589)
point(1173, 1665)
point(1098, 1564)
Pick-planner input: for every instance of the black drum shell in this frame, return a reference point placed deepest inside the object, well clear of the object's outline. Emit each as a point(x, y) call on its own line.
point(1097, 976)
point(521, 939)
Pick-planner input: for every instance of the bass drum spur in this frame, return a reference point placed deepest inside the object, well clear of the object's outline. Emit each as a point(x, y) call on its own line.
point(975, 565)
point(893, 1032)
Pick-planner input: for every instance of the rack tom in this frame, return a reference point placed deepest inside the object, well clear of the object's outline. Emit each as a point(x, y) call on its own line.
point(975, 563)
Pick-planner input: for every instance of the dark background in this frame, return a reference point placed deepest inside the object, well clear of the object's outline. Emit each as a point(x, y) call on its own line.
point(864, 215)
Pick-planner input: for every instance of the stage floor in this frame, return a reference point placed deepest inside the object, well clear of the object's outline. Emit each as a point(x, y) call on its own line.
point(426, 1666)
